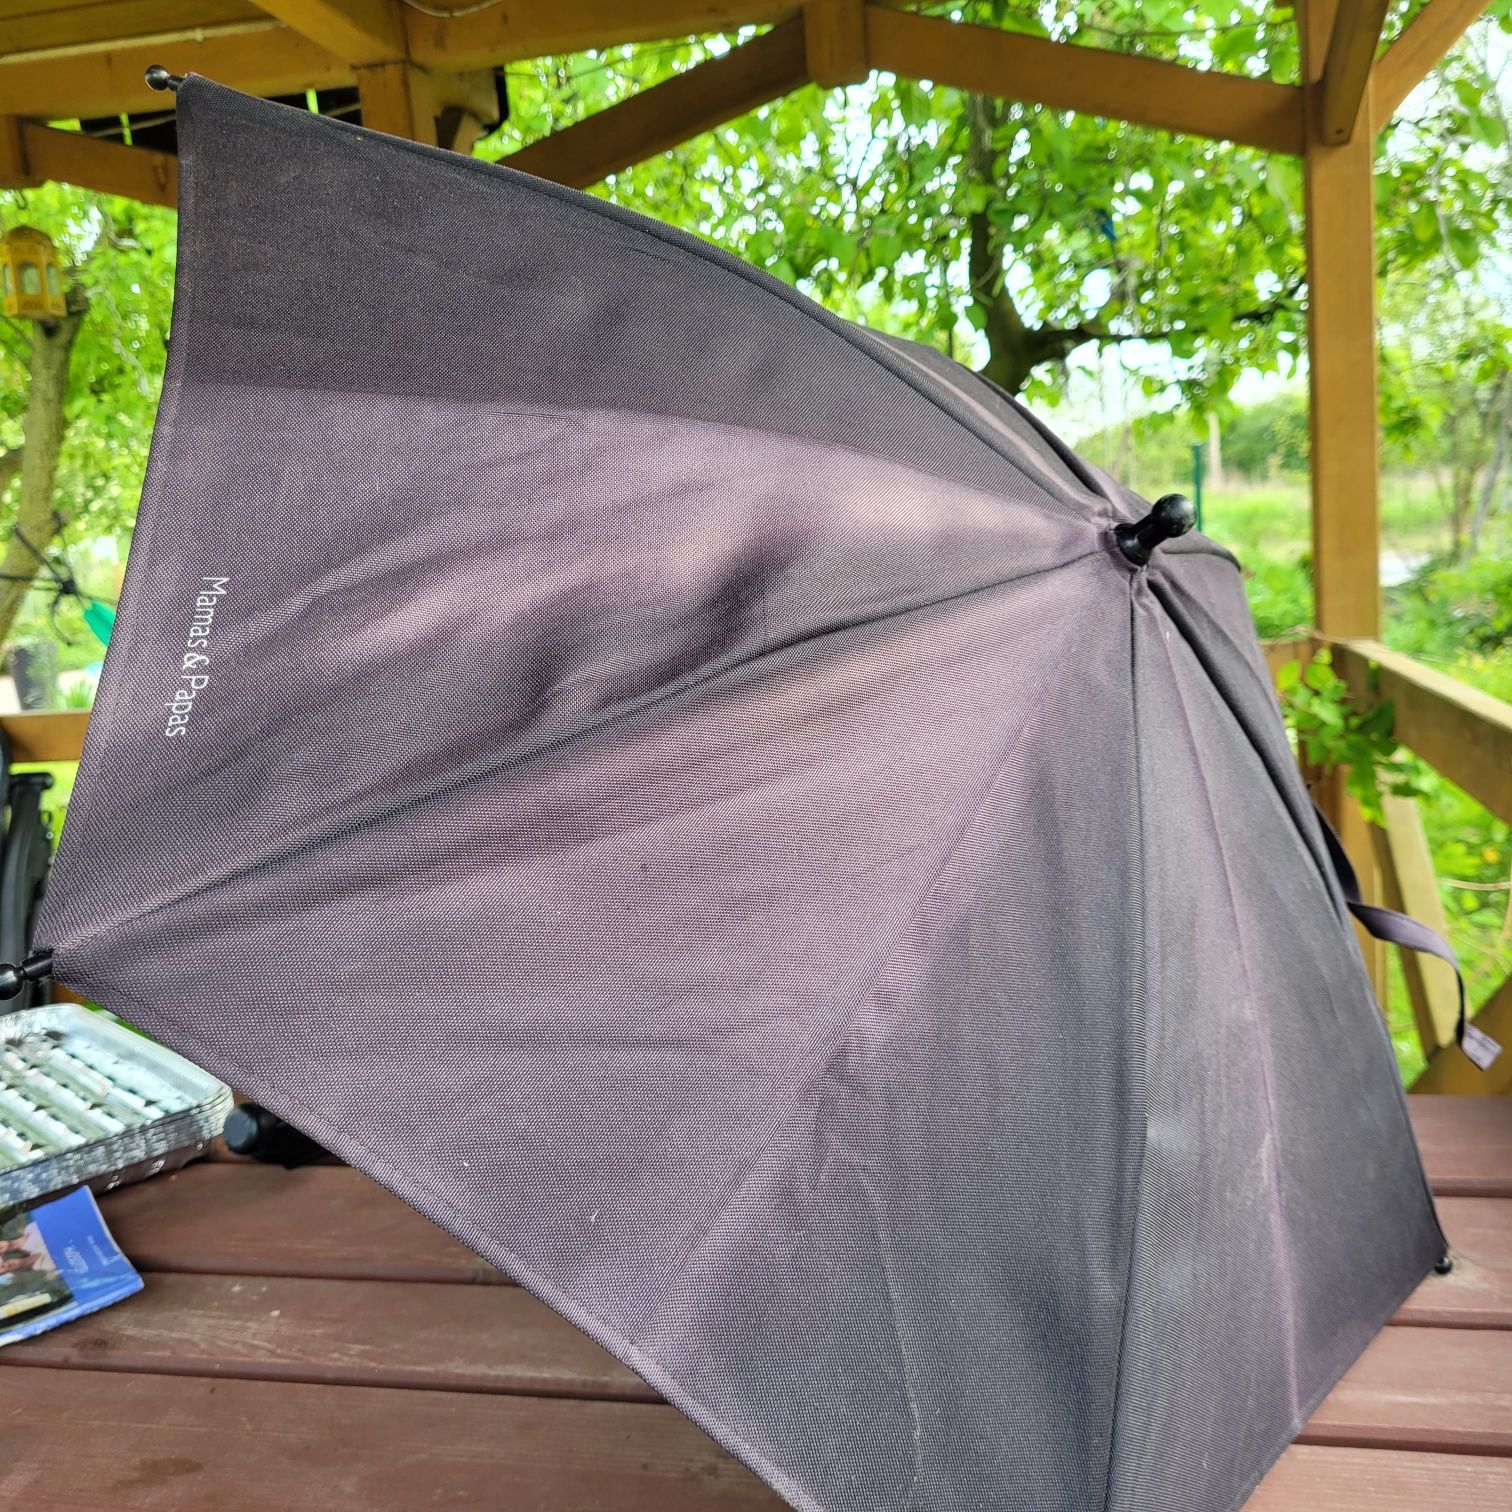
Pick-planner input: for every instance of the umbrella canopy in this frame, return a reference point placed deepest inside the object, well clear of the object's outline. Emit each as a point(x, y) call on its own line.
point(692, 795)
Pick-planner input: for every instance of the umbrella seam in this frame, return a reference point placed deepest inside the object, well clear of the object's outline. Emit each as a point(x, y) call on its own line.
point(493, 768)
point(1275, 1179)
point(1136, 1194)
point(1167, 592)
point(847, 1035)
point(515, 409)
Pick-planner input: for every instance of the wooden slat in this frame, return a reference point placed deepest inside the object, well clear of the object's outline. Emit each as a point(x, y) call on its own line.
point(1346, 72)
point(1478, 1292)
point(1411, 887)
point(1465, 734)
point(90, 1440)
point(1466, 1144)
point(361, 31)
point(259, 57)
point(334, 1223)
point(1311, 1479)
point(322, 1221)
point(181, 1445)
point(66, 157)
point(504, 33)
point(1440, 1389)
point(1064, 76)
point(672, 112)
point(411, 1335)
point(1418, 51)
point(46, 737)
point(1414, 1388)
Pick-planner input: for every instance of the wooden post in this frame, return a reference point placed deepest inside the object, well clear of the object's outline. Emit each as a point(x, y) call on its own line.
point(398, 98)
point(15, 171)
point(1341, 344)
point(834, 39)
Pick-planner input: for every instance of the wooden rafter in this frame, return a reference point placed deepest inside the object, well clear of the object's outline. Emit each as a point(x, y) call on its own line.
point(1418, 51)
point(69, 157)
point(661, 117)
point(74, 28)
point(1120, 86)
point(262, 58)
point(504, 33)
point(360, 32)
point(1346, 70)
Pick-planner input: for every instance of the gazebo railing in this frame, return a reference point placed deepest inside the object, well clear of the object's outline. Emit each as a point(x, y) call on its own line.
point(1465, 735)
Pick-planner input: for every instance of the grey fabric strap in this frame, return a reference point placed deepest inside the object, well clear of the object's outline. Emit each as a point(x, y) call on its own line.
point(1401, 929)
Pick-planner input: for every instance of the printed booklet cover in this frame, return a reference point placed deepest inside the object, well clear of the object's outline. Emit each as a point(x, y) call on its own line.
point(58, 1262)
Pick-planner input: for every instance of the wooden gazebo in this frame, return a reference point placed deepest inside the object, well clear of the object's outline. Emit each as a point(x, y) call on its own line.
point(395, 1385)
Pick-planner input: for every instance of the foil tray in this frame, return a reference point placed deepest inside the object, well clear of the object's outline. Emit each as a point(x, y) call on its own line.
point(86, 1102)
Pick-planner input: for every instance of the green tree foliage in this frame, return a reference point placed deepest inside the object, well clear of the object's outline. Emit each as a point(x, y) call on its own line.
point(1012, 235)
point(121, 259)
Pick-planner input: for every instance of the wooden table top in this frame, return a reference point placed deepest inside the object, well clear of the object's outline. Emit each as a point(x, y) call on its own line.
point(305, 1341)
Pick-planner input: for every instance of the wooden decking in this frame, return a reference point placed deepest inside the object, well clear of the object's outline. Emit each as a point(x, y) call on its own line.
point(305, 1341)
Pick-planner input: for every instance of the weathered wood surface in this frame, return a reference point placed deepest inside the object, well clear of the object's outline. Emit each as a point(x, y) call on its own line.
point(233, 1219)
point(306, 1341)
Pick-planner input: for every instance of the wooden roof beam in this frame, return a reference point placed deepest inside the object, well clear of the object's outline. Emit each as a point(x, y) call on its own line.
point(506, 33)
point(1067, 76)
point(74, 28)
point(39, 154)
point(1417, 52)
point(1346, 69)
point(360, 32)
point(669, 113)
point(262, 59)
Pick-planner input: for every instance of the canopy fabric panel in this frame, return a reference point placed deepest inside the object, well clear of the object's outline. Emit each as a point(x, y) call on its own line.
point(690, 795)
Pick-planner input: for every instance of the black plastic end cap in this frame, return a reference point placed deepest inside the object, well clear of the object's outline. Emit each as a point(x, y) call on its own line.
point(253, 1130)
point(159, 78)
point(1173, 515)
point(35, 968)
point(242, 1130)
point(1444, 1264)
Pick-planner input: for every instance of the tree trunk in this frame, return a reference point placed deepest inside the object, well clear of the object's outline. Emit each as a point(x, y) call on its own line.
point(1010, 349)
point(42, 426)
point(1491, 478)
point(1215, 451)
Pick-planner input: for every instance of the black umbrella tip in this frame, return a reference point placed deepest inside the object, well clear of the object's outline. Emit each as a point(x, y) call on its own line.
point(13, 979)
point(159, 78)
point(1173, 515)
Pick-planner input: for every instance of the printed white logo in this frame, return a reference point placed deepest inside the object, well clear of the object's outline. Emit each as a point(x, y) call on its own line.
point(194, 669)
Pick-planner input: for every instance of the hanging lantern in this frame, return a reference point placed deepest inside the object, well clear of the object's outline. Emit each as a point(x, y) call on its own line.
point(31, 277)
